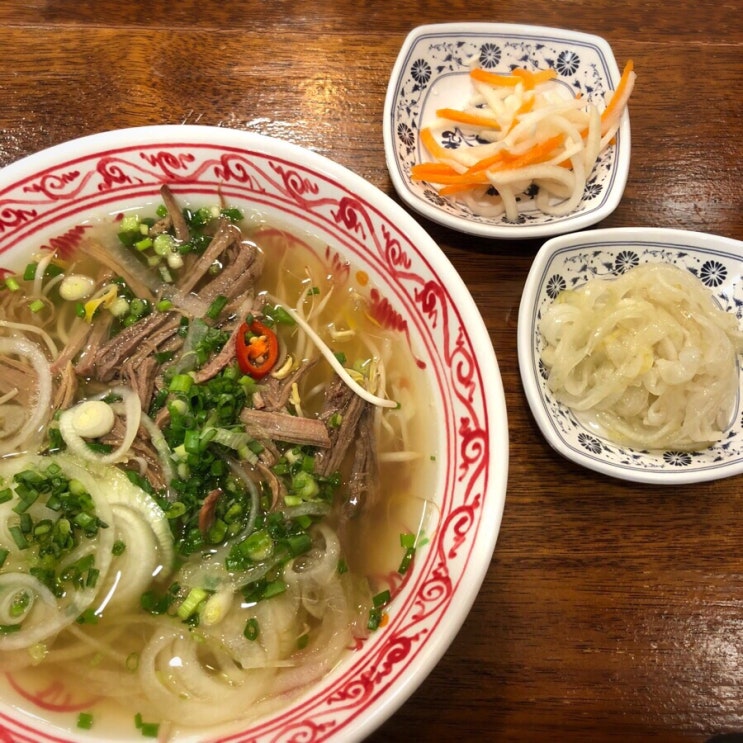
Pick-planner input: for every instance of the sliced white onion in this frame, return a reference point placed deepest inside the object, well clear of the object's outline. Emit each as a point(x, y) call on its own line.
point(121, 492)
point(132, 571)
point(161, 447)
point(132, 410)
point(49, 614)
point(26, 328)
point(39, 412)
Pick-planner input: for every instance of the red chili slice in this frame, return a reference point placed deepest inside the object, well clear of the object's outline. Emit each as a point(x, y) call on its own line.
point(257, 349)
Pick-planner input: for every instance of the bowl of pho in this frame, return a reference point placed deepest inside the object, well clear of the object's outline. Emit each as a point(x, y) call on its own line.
point(629, 346)
point(253, 448)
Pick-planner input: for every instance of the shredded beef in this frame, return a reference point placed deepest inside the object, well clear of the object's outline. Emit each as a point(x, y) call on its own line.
point(107, 359)
point(266, 425)
point(65, 387)
point(244, 266)
point(273, 394)
point(342, 401)
point(141, 378)
point(363, 481)
point(226, 234)
point(175, 214)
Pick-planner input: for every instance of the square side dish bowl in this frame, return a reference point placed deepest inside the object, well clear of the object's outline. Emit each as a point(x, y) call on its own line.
point(234, 575)
point(432, 77)
point(657, 313)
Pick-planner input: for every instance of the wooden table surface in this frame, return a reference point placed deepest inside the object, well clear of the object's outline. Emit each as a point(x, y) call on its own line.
point(611, 611)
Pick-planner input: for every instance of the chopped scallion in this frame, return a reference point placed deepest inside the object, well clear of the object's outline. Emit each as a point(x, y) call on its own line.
point(381, 599)
point(191, 603)
point(252, 630)
point(118, 548)
point(18, 537)
point(148, 729)
point(216, 307)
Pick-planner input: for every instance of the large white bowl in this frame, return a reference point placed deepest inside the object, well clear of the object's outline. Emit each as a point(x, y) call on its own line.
point(570, 261)
point(432, 72)
point(47, 193)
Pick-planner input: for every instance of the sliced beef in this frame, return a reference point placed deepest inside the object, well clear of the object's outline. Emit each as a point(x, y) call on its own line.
point(219, 361)
point(107, 359)
point(340, 401)
point(244, 264)
point(175, 215)
point(226, 234)
point(207, 513)
point(65, 387)
point(364, 478)
point(143, 455)
point(269, 426)
point(85, 359)
point(273, 394)
point(274, 484)
point(75, 343)
point(141, 376)
point(15, 376)
point(227, 354)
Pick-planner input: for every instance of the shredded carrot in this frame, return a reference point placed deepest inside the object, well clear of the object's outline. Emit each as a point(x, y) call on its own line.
point(502, 160)
point(518, 75)
point(430, 143)
point(488, 162)
point(538, 153)
point(526, 106)
point(532, 79)
point(491, 78)
point(428, 170)
point(619, 92)
point(463, 117)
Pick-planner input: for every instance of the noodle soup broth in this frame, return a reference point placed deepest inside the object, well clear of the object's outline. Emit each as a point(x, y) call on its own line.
point(94, 669)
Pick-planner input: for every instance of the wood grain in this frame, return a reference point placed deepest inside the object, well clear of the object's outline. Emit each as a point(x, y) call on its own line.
point(611, 611)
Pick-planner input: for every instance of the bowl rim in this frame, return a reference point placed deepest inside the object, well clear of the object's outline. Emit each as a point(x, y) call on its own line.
point(569, 223)
point(612, 237)
point(362, 723)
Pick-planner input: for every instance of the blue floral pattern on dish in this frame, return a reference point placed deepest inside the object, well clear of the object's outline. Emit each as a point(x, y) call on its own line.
point(437, 60)
point(570, 267)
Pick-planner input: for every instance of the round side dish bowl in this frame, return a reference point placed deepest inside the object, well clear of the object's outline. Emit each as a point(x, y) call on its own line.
point(432, 72)
point(569, 261)
point(44, 196)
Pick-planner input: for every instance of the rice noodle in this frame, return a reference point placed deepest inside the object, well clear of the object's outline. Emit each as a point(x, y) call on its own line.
point(646, 360)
